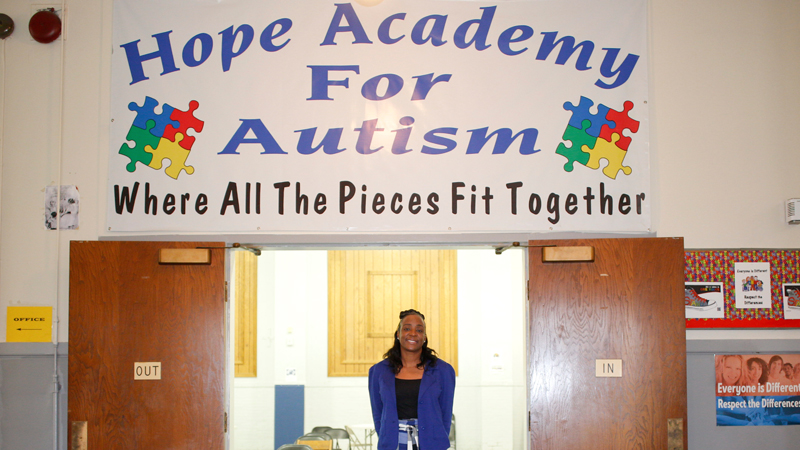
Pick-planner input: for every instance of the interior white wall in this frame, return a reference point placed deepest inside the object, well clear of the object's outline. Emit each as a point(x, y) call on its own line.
point(491, 321)
point(724, 92)
point(253, 412)
point(724, 102)
point(490, 390)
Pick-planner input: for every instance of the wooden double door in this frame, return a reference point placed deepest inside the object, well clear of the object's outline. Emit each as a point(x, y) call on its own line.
point(625, 306)
point(126, 308)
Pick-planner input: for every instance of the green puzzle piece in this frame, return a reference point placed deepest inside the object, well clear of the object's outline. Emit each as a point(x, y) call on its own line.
point(141, 138)
point(579, 138)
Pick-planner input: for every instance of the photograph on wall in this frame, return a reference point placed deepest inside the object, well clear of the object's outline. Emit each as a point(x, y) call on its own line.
point(752, 285)
point(757, 390)
point(791, 300)
point(704, 300)
point(61, 209)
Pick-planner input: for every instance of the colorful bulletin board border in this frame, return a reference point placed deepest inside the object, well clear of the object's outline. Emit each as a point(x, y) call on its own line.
point(718, 265)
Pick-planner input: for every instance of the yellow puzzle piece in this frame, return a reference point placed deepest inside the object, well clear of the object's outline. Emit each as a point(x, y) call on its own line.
point(611, 153)
point(172, 151)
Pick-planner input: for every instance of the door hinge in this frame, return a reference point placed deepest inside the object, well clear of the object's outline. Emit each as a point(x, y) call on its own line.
point(226, 292)
point(225, 427)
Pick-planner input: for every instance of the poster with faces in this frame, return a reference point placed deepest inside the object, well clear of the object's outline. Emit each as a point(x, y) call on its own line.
point(753, 285)
point(757, 389)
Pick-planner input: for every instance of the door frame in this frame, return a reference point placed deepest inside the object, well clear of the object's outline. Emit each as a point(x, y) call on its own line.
point(229, 311)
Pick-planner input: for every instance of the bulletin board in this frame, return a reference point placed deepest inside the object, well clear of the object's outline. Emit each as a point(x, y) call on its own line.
point(718, 266)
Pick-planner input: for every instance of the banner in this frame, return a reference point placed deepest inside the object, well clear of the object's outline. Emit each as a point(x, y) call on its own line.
point(758, 389)
point(407, 116)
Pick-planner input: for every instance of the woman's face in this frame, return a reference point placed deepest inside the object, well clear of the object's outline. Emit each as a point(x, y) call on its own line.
point(755, 371)
point(775, 367)
point(412, 333)
point(731, 371)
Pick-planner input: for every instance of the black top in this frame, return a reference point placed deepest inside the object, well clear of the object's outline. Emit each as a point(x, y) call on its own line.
point(407, 392)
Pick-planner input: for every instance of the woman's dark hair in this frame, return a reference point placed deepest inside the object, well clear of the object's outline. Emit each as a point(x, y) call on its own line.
point(764, 369)
point(428, 357)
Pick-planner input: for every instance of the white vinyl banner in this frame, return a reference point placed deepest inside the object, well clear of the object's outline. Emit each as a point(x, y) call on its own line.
point(406, 116)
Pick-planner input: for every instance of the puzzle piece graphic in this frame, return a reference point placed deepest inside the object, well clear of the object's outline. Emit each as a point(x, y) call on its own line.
point(579, 138)
point(609, 151)
point(187, 120)
point(147, 112)
point(172, 151)
point(622, 121)
point(581, 113)
point(141, 138)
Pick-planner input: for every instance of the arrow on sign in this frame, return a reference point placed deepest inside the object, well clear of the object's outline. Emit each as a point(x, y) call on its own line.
point(29, 329)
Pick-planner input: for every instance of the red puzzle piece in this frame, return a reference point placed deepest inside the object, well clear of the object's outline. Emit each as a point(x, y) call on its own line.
point(187, 120)
point(622, 121)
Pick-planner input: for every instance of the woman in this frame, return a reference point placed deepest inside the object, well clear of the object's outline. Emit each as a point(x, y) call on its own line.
point(729, 373)
point(411, 391)
point(729, 370)
point(756, 372)
point(775, 369)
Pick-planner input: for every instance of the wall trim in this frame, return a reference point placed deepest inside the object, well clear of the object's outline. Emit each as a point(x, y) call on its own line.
point(26, 349)
point(743, 346)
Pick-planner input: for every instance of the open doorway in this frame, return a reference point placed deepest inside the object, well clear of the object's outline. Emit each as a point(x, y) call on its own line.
point(292, 349)
point(623, 304)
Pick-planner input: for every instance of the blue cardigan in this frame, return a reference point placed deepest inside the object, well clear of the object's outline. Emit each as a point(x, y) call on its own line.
point(434, 408)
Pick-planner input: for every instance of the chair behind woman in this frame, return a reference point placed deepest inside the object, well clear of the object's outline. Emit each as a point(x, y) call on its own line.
point(317, 441)
point(336, 434)
point(314, 437)
point(317, 445)
point(354, 441)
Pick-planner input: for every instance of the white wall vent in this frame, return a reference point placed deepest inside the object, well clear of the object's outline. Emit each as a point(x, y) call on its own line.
point(793, 211)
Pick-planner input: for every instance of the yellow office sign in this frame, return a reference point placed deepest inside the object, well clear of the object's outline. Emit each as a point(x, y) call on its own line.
point(29, 323)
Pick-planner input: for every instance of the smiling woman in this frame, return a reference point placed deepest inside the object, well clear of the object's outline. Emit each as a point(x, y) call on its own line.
point(411, 390)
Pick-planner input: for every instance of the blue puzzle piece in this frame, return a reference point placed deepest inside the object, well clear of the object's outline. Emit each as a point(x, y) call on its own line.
point(147, 112)
point(581, 113)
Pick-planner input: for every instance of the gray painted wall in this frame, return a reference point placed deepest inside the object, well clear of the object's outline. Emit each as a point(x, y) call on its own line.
point(703, 430)
point(26, 396)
